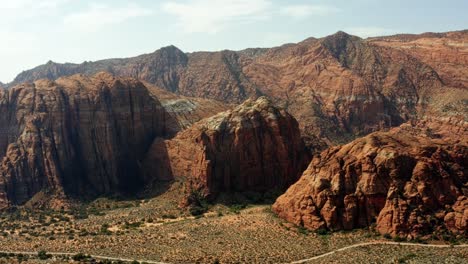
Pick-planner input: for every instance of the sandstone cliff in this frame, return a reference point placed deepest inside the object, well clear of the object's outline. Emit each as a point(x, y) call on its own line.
point(447, 53)
point(406, 181)
point(182, 111)
point(82, 136)
point(76, 136)
point(161, 68)
point(254, 147)
point(211, 75)
point(338, 88)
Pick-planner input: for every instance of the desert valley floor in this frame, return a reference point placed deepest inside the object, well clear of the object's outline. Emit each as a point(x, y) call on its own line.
point(155, 230)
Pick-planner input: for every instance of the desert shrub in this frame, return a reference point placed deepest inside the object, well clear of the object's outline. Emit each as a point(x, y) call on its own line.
point(302, 230)
point(133, 225)
point(105, 230)
point(198, 203)
point(322, 232)
point(80, 257)
point(42, 255)
point(236, 208)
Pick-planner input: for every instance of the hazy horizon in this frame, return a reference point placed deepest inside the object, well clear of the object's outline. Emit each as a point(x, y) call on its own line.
point(35, 32)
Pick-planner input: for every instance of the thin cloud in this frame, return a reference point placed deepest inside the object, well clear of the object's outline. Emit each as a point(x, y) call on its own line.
point(31, 4)
point(304, 11)
point(98, 16)
point(204, 16)
point(22, 10)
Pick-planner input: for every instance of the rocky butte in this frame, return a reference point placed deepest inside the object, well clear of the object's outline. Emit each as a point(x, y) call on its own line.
point(254, 147)
point(386, 118)
point(83, 136)
point(405, 182)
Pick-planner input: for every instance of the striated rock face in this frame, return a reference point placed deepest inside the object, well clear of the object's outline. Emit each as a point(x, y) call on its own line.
point(447, 53)
point(211, 75)
point(217, 75)
point(76, 136)
point(161, 68)
point(338, 88)
point(403, 181)
point(181, 111)
point(254, 147)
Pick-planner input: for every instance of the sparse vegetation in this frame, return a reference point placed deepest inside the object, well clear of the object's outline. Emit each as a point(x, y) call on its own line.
point(42, 255)
point(168, 227)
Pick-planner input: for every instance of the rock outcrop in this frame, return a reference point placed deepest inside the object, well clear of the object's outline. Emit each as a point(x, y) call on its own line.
point(75, 136)
point(447, 53)
point(182, 111)
point(160, 68)
point(338, 88)
point(403, 181)
point(210, 75)
point(254, 147)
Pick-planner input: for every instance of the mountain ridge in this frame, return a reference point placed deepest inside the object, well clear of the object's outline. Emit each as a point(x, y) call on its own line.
point(332, 82)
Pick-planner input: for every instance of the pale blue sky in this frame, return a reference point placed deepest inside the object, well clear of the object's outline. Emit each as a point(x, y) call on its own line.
point(35, 31)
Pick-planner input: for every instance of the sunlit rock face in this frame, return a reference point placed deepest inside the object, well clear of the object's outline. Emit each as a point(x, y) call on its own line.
point(255, 147)
point(404, 182)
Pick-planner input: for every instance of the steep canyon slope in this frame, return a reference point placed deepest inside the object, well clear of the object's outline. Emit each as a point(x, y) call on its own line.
point(338, 87)
point(255, 147)
point(82, 136)
point(411, 180)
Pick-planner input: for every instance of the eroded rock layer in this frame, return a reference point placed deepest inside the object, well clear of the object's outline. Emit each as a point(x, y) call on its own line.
point(254, 147)
point(405, 182)
point(338, 88)
point(75, 136)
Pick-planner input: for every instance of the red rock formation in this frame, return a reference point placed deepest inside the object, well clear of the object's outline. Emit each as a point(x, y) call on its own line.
point(181, 111)
point(255, 147)
point(404, 181)
point(76, 136)
point(447, 53)
point(338, 87)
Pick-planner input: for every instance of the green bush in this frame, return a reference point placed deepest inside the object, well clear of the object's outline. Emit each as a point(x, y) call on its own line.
point(105, 230)
point(197, 210)
point(80, 257)
point(322, 232)
point(302, 230)
point(236, 208)
point(42, 255)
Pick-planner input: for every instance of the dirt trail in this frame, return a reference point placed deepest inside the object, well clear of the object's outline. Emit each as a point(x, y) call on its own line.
point(375, 243)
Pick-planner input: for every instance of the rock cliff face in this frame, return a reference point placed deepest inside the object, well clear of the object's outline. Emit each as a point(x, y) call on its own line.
point(338, 88)
point(161, 68)
point(211, 75)
point(83, 136)
point(254, 147)
point(76, 136)
point(402, 181)
point(447, 53)
point(182, 111)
